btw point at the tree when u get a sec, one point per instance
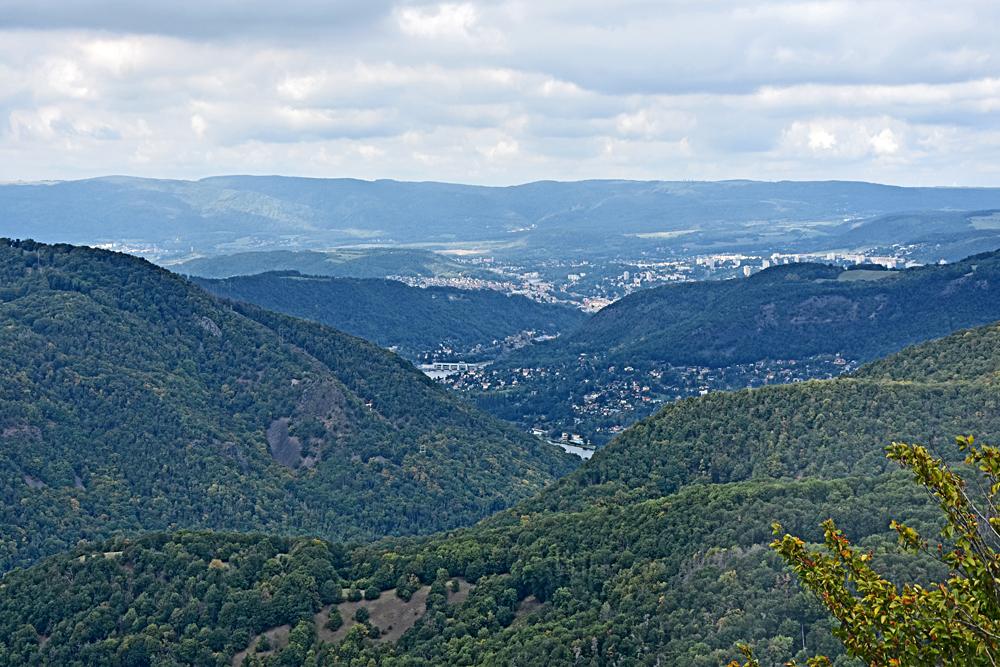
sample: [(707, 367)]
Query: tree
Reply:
[(956, 621), (335, 621)]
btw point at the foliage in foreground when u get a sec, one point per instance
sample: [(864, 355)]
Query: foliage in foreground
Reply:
[(956, 621)]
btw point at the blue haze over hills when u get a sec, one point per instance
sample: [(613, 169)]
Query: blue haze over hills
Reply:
[(170, 220)]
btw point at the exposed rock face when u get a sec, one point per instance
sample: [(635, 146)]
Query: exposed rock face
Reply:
[(286, 449), (323, 402), (209, 325)]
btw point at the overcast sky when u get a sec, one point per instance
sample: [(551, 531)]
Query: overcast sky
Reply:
[(502, 91)]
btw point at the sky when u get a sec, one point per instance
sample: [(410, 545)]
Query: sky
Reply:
[(502, 91)]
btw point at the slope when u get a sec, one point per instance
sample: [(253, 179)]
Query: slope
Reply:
[(343, 263), (651, 553), (928, 236), (415, 322), (133, 400)]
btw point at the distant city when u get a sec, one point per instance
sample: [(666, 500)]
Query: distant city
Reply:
[(592, 285)]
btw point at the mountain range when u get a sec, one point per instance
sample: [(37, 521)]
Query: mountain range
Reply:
[(171, 220)]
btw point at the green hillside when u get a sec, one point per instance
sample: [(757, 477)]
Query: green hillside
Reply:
[(414, 321), (822, 429), (132, 400), (343, 263), (651, 553), (788, 312)]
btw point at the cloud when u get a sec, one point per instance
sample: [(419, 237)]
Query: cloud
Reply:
[(820, 139), (198, 125), (884, 143), (445, 21), (503, 149), (289, 19), (502, 91), (849, 139)]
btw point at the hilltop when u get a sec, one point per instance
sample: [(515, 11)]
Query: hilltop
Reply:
[(789, 311), (415, 322), (342, 263), (133, 400)]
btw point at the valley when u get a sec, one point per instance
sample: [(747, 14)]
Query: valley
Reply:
[(785, 324), (492, 333), (250, 470), (134, 400), (678, 572), (423, 325)]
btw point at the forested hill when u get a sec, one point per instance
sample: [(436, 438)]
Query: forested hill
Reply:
[(414, 321), (342, 263), (653, 552), (792, 311), (132, 400)]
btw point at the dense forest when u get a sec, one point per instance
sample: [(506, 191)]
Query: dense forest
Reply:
[(342, 263), (654, 552), (133, 400), (414, 322)]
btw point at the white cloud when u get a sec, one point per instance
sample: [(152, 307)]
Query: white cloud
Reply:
[(502, 150), (34, 124), (820, 139), (503, 91), (370, 152), (199, 125), (299, 87), (118, 56), (650, 123), (446, 20), (849, 139), (65, 78), (885, 143)]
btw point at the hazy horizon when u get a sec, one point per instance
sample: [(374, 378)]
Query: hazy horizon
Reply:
[(515, 184)]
